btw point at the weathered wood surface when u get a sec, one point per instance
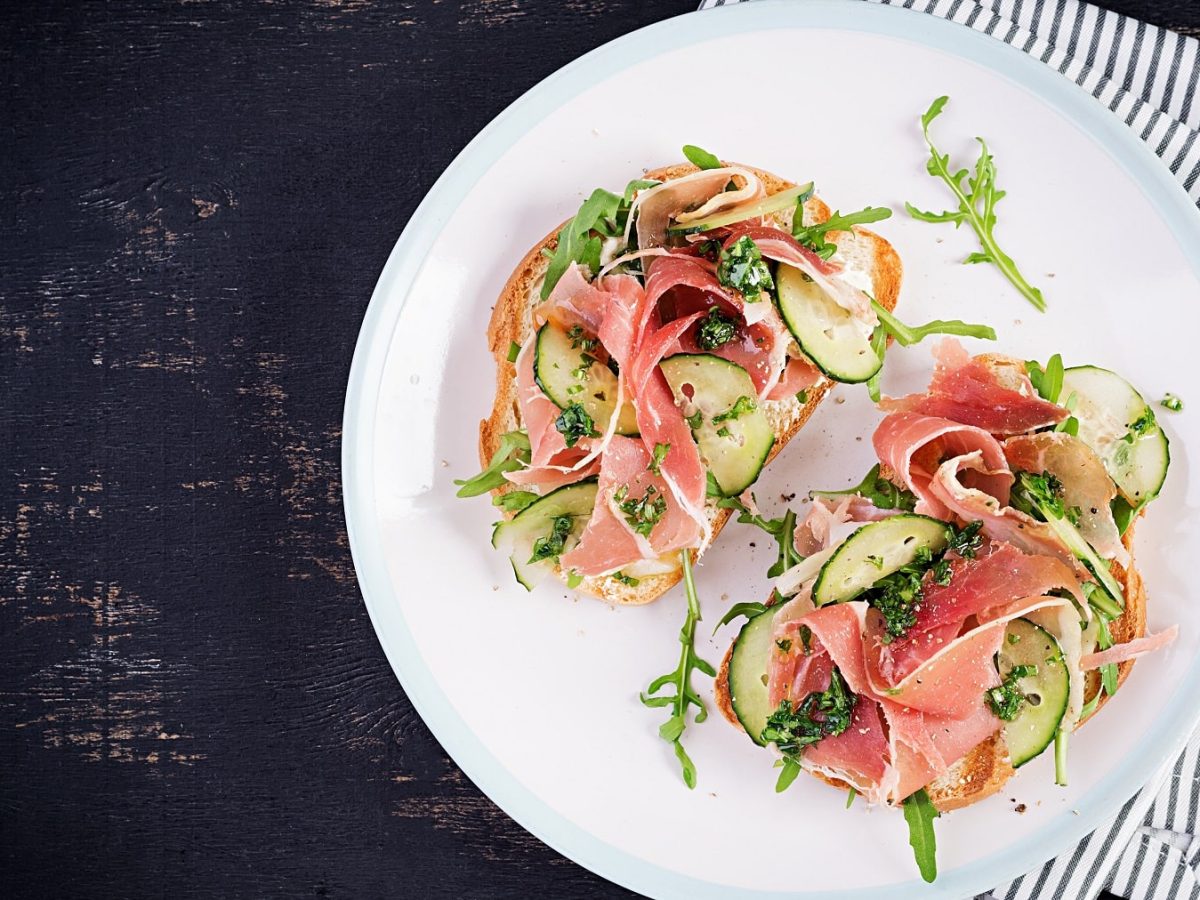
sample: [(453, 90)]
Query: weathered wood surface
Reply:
[(195, 201)]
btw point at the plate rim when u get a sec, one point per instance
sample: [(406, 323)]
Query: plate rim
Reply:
[(1158, 746)]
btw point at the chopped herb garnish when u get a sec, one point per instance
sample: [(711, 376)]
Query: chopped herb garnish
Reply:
[(881, 493), (850, 798), (628, 580), (700, 157), (681, 679), (794, 726), (1143, 424), (897, 597), (802, 396), (514, 501), (784, 644), (550, 546), (1014, 638), (942, 573), (1005, 699), (1171, 402), (741, 406), (660, 454), (514, 350), (642, 513), (977, 201), (876, 561), (919, 813), (715, 331), (743, 268), (580, 341), (967, 540), (575, 423), (806, 639), (723, 431), (511, 453), (813, 236), (574, 579)]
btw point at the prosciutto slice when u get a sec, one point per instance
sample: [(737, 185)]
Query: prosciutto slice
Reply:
[(914, 447), (1131, 649), (991, 393), (609, 541), (1087, 486), (689, 199)]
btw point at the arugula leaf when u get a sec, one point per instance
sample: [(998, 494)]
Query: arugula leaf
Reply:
[(907, 335), (749, 610), (782, 529), (878, 491), (879, 345), (977, 201), (1060, 757), (681, 679), (514, 501), (850, 797), (700, 157), (919, 813), (1047, 380), (791, 769), (575, 241), (813, 236), (511, 454)]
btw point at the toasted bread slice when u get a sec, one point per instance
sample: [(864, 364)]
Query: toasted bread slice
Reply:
[(512, 322), (986, 768)]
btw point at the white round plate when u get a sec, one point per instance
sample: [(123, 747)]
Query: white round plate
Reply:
[(535, 695)]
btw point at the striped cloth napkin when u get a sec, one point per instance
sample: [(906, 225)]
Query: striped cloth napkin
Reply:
[(1147, 76)]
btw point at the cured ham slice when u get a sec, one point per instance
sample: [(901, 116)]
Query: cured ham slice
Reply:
[(1087, 487), (914, 447), (798, 374), (609, 541), (1131, 649), (700, 194), (991, 393)]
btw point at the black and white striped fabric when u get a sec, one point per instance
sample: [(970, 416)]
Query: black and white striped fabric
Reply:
[(1148, 76)]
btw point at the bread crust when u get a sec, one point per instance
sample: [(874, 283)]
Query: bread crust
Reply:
[(512, 322), (986, 768)]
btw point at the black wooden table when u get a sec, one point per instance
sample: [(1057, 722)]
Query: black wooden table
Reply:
[(195, 201)]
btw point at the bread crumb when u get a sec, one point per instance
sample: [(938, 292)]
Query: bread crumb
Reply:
[(1020, 808), (839, 399), (445, 464), (495, 587)]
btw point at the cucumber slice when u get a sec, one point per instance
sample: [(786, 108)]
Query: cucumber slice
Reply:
[(519, 533), (874, 551), (709, 388), (1116, 422), (838, 343), (565, 374), (748, 672), (772, 204), (1033, 730)]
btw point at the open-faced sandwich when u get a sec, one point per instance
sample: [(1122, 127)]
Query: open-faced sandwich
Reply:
[(971, 602), (655, 352)]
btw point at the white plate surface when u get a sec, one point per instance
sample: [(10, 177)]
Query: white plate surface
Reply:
[(536, 695)]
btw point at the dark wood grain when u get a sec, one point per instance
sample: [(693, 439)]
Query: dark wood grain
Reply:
[(195, 201)]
